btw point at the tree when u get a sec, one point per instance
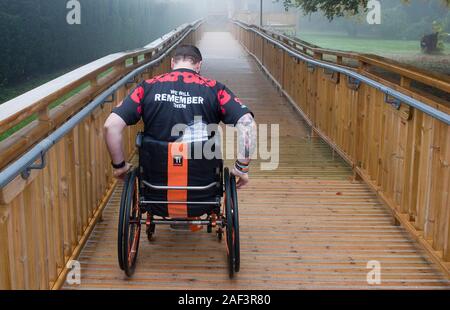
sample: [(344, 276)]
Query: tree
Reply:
[(335, 8), (435, 42), (37, 40)]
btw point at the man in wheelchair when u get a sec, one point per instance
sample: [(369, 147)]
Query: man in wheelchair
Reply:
[(174, 182)]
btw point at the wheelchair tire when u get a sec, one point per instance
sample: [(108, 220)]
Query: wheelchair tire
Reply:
[(229, 227), (235, 211), (131, 225), (120, 254)]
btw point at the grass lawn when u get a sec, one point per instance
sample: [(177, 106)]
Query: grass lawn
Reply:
[(365, 45), (403, 51)]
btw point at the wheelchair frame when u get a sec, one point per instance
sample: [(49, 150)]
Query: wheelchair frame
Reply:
[(133, 206)]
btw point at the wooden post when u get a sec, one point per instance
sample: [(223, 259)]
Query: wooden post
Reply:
[(5, 273), (318, 56)]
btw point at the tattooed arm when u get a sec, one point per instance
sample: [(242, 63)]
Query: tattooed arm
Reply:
[(247, 133)]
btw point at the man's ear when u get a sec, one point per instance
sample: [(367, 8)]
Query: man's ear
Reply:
[(198, 67)]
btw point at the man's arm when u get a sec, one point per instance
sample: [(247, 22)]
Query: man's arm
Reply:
[(113, 132), (247, 135), (127, 113)]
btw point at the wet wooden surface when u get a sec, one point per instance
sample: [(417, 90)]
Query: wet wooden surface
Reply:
[(305, 225)]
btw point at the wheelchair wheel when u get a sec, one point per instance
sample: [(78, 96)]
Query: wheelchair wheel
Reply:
[(235, 211), (120, 254), (129, 225), (229, 227)]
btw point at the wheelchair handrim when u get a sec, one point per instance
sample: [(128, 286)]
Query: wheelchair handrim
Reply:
[(135, 232), (229, 223), (236, 240), (132, 226)]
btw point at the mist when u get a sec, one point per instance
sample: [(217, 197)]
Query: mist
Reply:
[(38, 43), (398, 35), (43, 39)]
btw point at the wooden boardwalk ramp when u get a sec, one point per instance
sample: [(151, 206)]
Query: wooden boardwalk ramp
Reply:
[(306, 225)]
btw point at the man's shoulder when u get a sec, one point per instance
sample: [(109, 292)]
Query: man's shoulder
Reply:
[(186, 77), (209, 82), (165, 77)]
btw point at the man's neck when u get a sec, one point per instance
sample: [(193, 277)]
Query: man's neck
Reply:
[(181, 68)]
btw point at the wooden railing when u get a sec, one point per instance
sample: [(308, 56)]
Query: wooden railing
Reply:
[(46, 217), (402, 152), (269, 19), (392, 72)]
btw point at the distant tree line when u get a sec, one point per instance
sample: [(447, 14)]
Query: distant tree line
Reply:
[(339, 8), (35, 37), (401, 20)]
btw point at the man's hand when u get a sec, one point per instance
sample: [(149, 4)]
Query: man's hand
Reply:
[(122, 172), (243, 178)]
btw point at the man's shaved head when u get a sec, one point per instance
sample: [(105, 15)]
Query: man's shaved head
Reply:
[(187, 52)]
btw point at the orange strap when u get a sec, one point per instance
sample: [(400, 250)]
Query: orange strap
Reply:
[(177, 176)]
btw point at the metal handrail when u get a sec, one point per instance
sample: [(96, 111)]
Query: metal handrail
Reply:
[(442, 116), (24, 162)]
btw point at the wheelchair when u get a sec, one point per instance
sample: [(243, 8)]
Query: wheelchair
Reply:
[(171, 189)]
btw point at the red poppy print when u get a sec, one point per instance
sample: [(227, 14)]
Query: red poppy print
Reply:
[(190, 78), (168, 77), (211, 83), (138, 94), (223, 96)]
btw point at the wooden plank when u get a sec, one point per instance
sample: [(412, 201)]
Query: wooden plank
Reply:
[(16, 187), (5, 274), (71, 193), (17, 246), (55, 202), (39, 232), (442, 200), (65, 219), (424, 180)]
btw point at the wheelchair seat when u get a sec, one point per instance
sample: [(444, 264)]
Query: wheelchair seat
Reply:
[(176, 179)]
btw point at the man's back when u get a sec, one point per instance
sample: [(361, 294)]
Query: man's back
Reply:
[(177, 107), (179, 97)]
